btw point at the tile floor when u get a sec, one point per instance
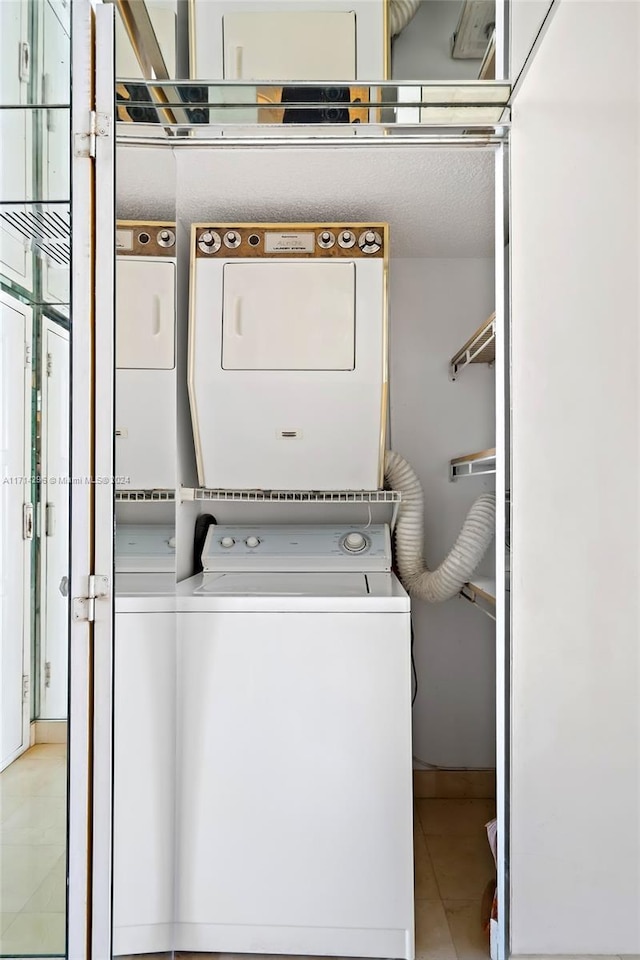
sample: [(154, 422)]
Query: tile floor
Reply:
[(452, 864), (32, 852)]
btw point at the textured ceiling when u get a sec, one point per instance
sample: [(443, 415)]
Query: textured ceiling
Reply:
[(438, 201)]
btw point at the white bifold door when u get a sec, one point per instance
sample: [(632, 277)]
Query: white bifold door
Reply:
[(54, 507), (16, 526)]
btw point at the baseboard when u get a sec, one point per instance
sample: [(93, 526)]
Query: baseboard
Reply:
[(48, 731), (454, 784)]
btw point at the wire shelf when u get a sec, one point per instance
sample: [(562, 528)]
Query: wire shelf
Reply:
[(473, 464), (480, 348), (293, 496), (145, 496)]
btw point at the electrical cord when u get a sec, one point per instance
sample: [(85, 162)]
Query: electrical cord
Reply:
[(414, 672)]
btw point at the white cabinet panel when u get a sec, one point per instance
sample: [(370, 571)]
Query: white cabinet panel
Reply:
[(276, 45), (575, 769), (145, 314), (15, 426), (288, 316)]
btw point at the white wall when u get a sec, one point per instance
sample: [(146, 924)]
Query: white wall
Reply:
[(575, 803), (423, 50), (435, 306)]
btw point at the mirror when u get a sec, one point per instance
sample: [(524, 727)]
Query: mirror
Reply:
[(34, 516), (312, 48)]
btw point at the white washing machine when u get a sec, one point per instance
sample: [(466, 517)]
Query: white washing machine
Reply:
[(146, 355), (288, 355), (144, 739), (294, 807)]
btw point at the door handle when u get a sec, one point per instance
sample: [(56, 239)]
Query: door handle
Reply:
[(237, 316), (155, 325), (64, 587), (50, 520), (238, 51)]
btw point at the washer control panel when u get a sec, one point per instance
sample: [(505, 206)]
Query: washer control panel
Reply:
[(268, 240), (137, 239), (289, 547)]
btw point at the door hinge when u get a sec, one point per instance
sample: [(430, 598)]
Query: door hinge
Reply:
[(27, 354), (25, 687), (47, 673), (84, 608), (85, 143), (50, 520), (49, 364), (27, 521)]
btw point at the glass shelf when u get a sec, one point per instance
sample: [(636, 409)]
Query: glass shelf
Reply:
[(473, 464), (188, 109)]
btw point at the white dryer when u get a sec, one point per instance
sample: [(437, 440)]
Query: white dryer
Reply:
[(280, 40), (294, 746), (288, 355), (144, 739), (145, 355)]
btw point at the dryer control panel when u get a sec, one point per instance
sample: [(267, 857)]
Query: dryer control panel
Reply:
[(266, 240), (307, 549)]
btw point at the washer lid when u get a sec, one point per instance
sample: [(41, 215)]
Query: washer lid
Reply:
[(283, 585)]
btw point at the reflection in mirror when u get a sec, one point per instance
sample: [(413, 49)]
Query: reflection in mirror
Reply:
[(34, 524), (339, 44), (145, 580)]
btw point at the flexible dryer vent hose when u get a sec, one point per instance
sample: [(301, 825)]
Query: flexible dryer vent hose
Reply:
[(400, 13), (469, 549)]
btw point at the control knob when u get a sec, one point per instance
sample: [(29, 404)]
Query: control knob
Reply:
[(166, 238), (370, 241), (232, 239), (227, 542), (209, 242), (326, 239), (252, 541), (355, 542), (346, 238)]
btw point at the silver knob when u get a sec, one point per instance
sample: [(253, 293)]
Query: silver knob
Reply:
[(209, 242), (326, 239), (166, 238), (232, 239), (347, 238), (370, 241)]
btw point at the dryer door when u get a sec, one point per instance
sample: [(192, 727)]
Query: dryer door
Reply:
[(289, 46), (145, 314), (288, 316)]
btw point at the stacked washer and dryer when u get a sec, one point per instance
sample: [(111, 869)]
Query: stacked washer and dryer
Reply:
[(270, 809)]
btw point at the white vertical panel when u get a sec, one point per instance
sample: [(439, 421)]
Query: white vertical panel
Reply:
[(101, 932), (81, 493), (15, 490), (575, 836)]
